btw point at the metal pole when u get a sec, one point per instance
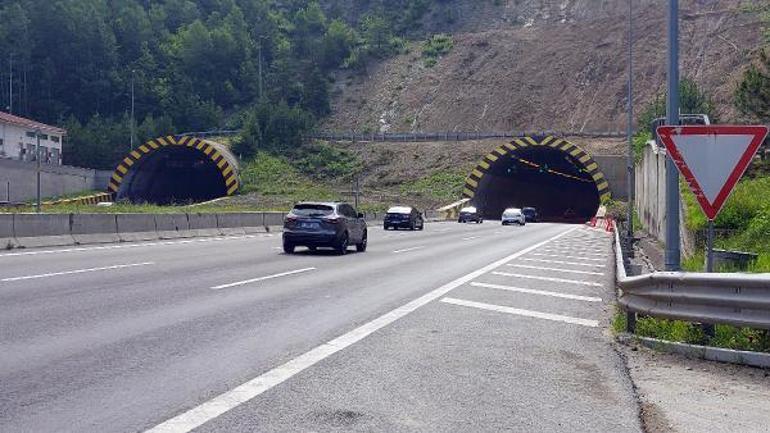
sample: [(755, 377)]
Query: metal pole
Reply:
[(37, 153), (673, 258), (132, 108), (630, 131), (358, 191), (10, 83), (710, 248)]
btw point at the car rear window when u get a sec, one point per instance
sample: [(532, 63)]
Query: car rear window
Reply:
[(400, 210), (468, 210), (312, 210)]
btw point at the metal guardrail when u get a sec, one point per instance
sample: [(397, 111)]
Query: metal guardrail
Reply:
[(405, 137), (728, 298)]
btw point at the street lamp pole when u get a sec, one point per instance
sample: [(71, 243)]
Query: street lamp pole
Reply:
[(673, 255), (37, 157), (133, 72), (630, 131)]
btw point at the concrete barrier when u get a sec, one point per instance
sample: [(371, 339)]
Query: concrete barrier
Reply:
[(94, 228), (230, 224), (42, 230), (6, 232), (253, 222), (136, 227), (274, 219), (172, 226), (202, 224)]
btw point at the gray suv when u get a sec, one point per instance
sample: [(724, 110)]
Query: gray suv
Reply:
[(324, 225)]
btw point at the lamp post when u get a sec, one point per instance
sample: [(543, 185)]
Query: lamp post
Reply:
[(37, 158), (133, 73), (672, 257), (630, 132)]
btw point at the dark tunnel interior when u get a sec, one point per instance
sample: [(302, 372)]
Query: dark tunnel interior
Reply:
[(173, 175), (545, 178)]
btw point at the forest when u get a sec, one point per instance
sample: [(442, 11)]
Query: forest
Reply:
[(265, 65)]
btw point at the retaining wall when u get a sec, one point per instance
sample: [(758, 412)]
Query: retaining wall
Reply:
[(18, 180)]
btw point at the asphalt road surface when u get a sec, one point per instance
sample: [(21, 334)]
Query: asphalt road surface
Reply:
[(463, 328)]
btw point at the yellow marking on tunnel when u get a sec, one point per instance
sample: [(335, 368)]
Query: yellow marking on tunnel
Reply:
[(184, 140), (602, 186), (122, 169), (118, 178), (520, 142), (232, 190), (128, 162), (200, 145), (171, 139), (153, 144), (469, 192), (221, 163), (510, 146), (477, 173), (135, 154), (531, 141), (144, 148), (598, 176), (492, 157), (112, 186), (161, 141), (585, 158), (216, 155), (208, 149), (484, 165), (227, 170), (546, 140), (230, 180), (556, 143), (575, 152), (592, 166), (471, 182), (501, 151)]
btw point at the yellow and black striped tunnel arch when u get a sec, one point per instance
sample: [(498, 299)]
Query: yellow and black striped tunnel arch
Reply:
[(217, 153), (580, 156)]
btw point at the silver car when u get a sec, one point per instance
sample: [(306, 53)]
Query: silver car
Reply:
[(513, 215)]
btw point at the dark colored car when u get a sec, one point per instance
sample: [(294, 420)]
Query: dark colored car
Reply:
[(403, 217), (324, 225), (530, 214), (470, 214)]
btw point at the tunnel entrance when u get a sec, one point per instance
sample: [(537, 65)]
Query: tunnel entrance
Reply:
[(557, 178), (170, 171)]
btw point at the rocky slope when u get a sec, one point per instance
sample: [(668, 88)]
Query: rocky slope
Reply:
[(545, 64)]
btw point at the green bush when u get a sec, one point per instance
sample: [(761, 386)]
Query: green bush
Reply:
[(442, 185), (324, 161), (436, 47)]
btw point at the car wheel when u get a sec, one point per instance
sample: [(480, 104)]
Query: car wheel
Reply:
[(422, 225), (362, 246), (411, 226), (288, 248), (342, 247)]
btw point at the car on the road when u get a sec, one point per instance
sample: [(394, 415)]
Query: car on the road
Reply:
[(324, 225), (530, 214), (470, 214), (513, 215), (403, 217)]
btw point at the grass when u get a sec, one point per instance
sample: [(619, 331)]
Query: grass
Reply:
[(436, 47), (443, 186)]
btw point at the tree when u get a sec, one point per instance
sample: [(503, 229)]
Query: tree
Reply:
[(752, 96), (691, 101)]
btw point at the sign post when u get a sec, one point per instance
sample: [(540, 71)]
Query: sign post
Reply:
[(712, 159)]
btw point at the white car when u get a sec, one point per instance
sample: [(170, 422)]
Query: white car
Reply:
[(514, 215)]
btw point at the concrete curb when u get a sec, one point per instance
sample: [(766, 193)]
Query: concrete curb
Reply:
[(44, 230), (7, 240), (137, 227), (94, 228), (741, 357)]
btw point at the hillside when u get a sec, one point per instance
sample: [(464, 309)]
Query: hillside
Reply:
[(545, 64)]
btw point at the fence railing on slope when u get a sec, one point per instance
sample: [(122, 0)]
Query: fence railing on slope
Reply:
[(407, 137)]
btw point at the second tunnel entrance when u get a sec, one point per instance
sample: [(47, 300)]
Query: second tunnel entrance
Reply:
[(557, 178)]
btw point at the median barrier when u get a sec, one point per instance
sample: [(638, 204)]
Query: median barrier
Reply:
[(230, 224), (203, 224), (6, 232), (253, 222), (94, 228), (42, 230), (274, 219), (136, 227), (172, 226)]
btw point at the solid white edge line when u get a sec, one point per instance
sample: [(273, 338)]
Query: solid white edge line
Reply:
[(406, 250), (555, 280), (266, 277), (470, 238), (76, 271), (211, 409), (134, 245), (538, 292), (520, 312), (543, 268)]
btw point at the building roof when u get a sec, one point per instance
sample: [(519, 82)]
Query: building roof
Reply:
[(30, 124)]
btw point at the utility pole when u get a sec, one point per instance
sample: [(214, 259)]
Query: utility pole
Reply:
[(133, 73), (630, 155), (673, 257), (10, 83), (37, 157), (260, 70)]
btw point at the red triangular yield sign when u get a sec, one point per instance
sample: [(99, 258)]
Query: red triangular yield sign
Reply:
[(712, 158)]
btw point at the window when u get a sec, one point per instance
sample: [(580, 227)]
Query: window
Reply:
[(44, 136), (55, 138), (347, 210), (30, 134)]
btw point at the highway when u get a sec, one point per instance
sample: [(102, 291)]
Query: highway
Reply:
[(455, 328)]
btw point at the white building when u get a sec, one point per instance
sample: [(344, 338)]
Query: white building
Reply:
[(18, 141)]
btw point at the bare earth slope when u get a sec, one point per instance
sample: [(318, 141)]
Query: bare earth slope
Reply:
[(549, 64)]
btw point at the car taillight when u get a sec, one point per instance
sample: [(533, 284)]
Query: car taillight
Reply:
[(332, 220), (290, 219)]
